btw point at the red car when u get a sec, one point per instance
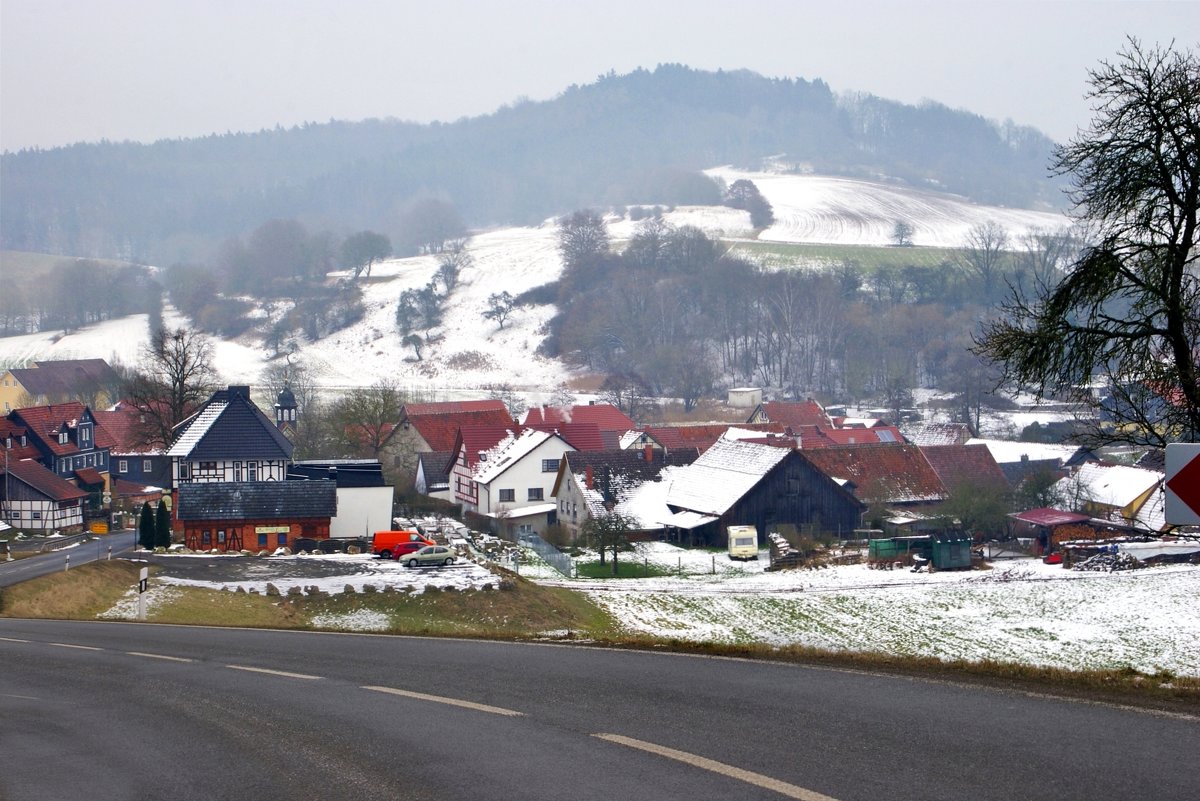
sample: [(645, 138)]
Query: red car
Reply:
[(402, 549)]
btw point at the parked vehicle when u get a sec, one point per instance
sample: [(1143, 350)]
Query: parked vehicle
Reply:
[(383, 544), (403, 549), (430, 555), (743, 542)]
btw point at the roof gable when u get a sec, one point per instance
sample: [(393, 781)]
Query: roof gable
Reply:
[(34, 475), (231, 428), (722, 475), (439, 429), (510, 450), (965, 466), (45, 423), (794, 413)]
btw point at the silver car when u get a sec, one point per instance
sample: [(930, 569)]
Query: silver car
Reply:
[(430, 555)]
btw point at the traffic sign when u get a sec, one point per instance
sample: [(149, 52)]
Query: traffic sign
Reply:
[(1183, 484)]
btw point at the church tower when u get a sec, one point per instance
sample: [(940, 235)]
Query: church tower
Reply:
[(285, 412)]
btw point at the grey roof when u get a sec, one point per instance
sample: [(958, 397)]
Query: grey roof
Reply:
[(346, 472), (230, 426), (257, 500)]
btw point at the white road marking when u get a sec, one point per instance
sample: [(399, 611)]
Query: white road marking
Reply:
[(159, 656), (80, 647), (283, 673), (439, 699), (22, 697), (12, 639), (750, 777)]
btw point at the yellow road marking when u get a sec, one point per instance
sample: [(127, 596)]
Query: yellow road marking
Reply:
[(750, 777), (439, 699), (159, 656), (283, 673)]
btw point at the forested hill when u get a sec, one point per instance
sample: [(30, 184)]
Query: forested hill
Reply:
[(635, 138)]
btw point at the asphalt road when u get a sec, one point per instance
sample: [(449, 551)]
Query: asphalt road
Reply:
[(127, 711), (31, 567)]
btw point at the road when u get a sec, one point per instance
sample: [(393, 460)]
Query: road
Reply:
[(127, 711), (31, 567)]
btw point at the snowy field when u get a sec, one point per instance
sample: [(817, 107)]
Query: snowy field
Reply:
[(468, 352), (1019, 611)]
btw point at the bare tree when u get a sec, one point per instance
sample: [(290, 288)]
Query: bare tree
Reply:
[(582, 238), (609, 533), (452, 261), (365, 418), (982, 253), (175, 376), (500, 306), (1127, 312), (902, 234)]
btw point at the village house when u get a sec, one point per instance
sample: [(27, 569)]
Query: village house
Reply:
[(791, 414), (137, 472), (261, 515), (90, 381), (229, 439), (364, 498), (508, 475), (431, 428), (34, 499), (593, 482), (769, 487), (66, 440)]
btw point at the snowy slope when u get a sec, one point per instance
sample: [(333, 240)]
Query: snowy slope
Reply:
[(469, 352)]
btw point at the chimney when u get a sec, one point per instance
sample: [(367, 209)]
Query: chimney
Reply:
[(648, 453), (587, 477), (332, 473)]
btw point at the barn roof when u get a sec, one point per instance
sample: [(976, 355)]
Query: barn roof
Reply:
[(961, 466), (722, 475), (604, 416), (35, 475), (882, 473), (439, 427)]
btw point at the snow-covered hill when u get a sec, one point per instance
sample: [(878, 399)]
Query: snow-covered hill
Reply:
[(469, 352)]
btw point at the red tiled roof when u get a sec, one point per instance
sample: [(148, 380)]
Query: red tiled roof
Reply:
[(965, 466), (44, 422), (477, 439), (34, 475), (580, 436), (89, 476), (1048, 517), (604, 416), (11, 429), (124, 488), (796, 413), (122, 423), (440, 429), (702, 436), (882, 473), (453, 407)]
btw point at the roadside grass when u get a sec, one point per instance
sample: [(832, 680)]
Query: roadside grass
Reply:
[(524, 610), (630, 567), (77, 594), (869, 257)]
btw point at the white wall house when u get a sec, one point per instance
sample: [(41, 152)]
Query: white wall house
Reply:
[(229, 440), (518, 473), (361, 511)]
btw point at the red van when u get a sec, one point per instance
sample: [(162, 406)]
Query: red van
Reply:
[(384, 543)]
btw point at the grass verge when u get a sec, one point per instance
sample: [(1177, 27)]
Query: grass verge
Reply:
[(626, 568), (525, 610)]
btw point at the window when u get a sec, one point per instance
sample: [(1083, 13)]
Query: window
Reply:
[(89, 462), (14, 515), (85, 436), (208, 467), (220, 535), (183, 470), (282, 539), (262, 540), (549, 465), (237, 471), (525, 528), (205, 537), (8, 442), (252, 471), (507, 496), (122, 466), (535, 494), (37, 515), (62, 437), (147, 466)]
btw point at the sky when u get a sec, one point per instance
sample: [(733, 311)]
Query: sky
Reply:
[(85, 70)]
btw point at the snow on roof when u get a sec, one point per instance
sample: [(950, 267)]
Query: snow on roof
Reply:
[(507, 452), (1048, 517), (1110, 484), (523, 511), (1004, 451), (688, 520), (722, 475), (734, 434), (197, 429)]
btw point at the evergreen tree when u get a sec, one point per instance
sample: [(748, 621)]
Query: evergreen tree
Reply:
[(162, 526), (146, 527)]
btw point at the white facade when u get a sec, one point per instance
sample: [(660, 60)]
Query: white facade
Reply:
[(517, 473), (361, 511), (42, 514), (184, 470)]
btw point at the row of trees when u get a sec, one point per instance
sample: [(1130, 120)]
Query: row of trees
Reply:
[(673, 311)]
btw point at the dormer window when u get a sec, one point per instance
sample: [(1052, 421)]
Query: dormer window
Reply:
[(8, 442), (85, 436), (62, 437)]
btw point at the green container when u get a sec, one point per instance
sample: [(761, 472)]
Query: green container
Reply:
[(948, 554)]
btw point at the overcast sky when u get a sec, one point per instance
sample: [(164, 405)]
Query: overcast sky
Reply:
[(83, 70)]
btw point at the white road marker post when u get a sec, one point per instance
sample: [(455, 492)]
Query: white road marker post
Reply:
[(143, 580), (68, 563)]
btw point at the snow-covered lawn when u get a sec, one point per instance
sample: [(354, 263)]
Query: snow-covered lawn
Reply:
[(1019, 611)]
